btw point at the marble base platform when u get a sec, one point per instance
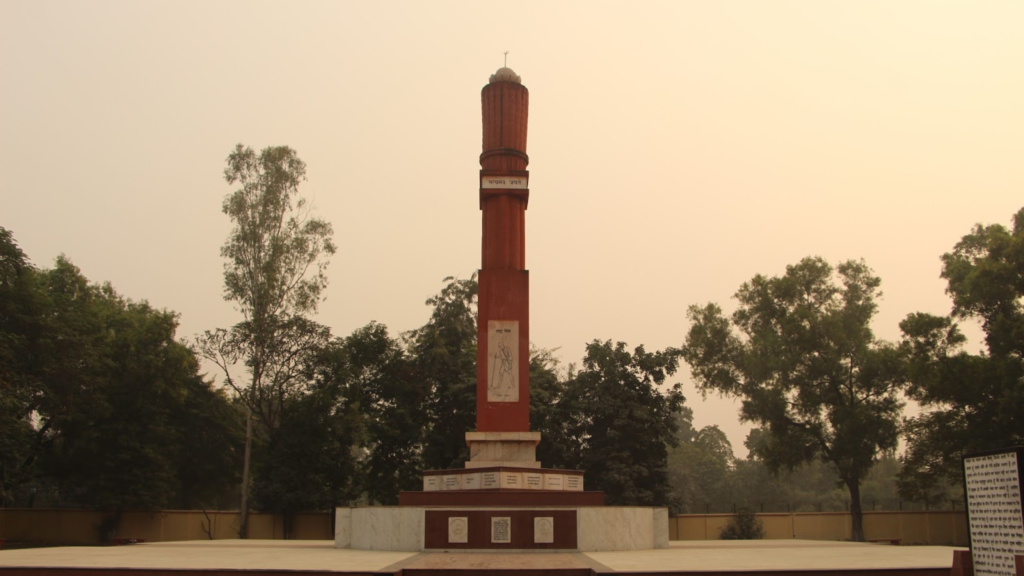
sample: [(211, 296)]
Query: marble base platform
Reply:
[(580, 529), (488, 449), (503, 478)]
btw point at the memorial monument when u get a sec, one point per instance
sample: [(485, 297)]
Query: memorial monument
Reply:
[(503, 498)]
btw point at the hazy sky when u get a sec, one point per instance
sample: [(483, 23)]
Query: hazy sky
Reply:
[(677, 148)]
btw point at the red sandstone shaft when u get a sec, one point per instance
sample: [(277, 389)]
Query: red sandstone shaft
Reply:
[(503, 339)]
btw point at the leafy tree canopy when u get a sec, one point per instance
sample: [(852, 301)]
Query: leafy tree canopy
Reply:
[(974, 401), (807, 368), (620, 414)]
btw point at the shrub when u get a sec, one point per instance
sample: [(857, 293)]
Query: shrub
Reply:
[(743, 526)]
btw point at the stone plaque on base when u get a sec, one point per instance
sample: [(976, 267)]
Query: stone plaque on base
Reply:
[(533, 480), (489, 480), (512, 480), (458, 530), (431, 483), (554, 482), (543, 530), (471, 481), (501, 530), (574, 483)]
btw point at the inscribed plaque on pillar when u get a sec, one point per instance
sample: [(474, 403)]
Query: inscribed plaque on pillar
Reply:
[(502, 360)]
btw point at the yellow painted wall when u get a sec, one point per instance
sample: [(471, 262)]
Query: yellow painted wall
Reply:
[(80, 526), (944, 527)]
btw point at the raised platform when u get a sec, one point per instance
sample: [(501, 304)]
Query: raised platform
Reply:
[(280, 558), (504, 477), (513, 528), (500, 498)]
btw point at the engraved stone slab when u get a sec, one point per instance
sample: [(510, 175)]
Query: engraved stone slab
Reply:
[(502, 360), (451, 482), (489, 480), (533, 480), (501, 530), (458, 530), (574, 483), (993, 483), (544, 530), (554, 482), (512, 480), (471, 481), (431, 483)]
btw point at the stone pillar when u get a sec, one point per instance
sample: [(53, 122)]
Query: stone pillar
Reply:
[(502, 436)]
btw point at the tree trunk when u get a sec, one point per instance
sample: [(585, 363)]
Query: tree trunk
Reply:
[(856, 514), (289, 524), (243, 529)]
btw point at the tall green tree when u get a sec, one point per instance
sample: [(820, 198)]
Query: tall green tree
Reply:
[(701, 467), (384, 393), (623, 422), (20, 387), (973, 402), (807, 368), (275, 272), (444, 355)]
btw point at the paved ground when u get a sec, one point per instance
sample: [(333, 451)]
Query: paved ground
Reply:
[(300, 555)]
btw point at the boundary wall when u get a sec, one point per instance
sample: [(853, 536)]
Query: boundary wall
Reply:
[(63, 526), (930, 527)]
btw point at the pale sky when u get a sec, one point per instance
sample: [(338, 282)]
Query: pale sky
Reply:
[(677, 148)]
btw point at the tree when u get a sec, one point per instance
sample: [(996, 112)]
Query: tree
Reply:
[(309, 464), (974, 401), (383, 393), (701, 467), (622, 422), (275, 273), (444, 356), (807, 368), (20, 331)]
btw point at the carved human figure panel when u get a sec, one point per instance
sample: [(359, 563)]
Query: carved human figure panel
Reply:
[(502, 360)]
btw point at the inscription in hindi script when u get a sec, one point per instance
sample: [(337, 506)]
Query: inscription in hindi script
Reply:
[(501, 530), (994, 512)]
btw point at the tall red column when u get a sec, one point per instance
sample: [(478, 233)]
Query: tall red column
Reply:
[(503, 330)]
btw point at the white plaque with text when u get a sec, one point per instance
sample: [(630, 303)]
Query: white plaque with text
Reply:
[(994, 516), (501, 530), (431, 483), (504, 182)]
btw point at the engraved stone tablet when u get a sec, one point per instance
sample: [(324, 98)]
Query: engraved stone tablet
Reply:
[(451, 482), (554, 482), (458, 530), (501, 530), (431, 483), (574, 483), (502, 360), (471, 481), (489, 480), (544, 530), (512, 480), (993, 484), (533, 480)]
